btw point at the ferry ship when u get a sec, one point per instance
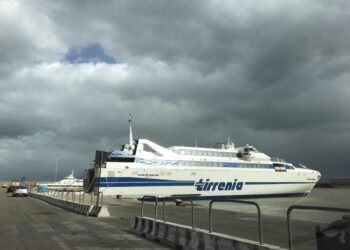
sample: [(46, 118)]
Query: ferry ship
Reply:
[(67, 183), (143, 167)]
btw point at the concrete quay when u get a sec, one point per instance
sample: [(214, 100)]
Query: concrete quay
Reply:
[(237, 225)]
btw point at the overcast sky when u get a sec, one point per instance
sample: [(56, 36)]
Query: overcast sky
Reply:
[(273, 74)]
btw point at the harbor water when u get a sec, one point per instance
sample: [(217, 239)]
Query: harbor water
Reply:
[(325, 197)]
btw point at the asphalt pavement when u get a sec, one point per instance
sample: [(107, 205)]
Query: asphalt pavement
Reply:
[(28, 223)]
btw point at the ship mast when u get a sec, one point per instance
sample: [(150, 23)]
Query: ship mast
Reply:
[(130, 130)]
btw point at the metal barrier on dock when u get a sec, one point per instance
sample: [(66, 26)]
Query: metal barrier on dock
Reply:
[(190, 235), (295, 207), (173, 198), (242, 202), (156, 199), (76, 198)]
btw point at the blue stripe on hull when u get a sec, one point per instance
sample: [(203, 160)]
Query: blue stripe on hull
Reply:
[(140, 182), (145, 184), (133, 179), (272, 183), (232, 197)]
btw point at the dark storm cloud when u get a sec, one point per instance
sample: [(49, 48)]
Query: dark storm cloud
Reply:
[(269, 73)]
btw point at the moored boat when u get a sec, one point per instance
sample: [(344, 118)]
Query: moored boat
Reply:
[(67, 183)]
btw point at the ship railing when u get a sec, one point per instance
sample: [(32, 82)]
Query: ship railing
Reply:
[(295, 207), (242, 202)]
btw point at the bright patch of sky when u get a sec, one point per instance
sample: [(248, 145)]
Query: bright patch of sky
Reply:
[(92, 53)]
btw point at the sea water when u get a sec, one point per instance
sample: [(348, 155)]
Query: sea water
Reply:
[(325, 197)]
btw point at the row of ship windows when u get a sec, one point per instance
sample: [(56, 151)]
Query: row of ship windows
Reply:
[(204, 153), (223, 164)]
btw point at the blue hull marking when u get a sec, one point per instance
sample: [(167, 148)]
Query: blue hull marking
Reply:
[(233, 197), (273, 183), (140, 182), (200, 186)]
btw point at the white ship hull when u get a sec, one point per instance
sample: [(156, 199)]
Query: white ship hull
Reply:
[(134, 180)]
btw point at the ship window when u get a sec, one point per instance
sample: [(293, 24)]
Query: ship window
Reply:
[(110, 173), (210, 153)]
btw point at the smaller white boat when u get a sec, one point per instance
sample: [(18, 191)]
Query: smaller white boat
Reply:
[(68, 183)]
